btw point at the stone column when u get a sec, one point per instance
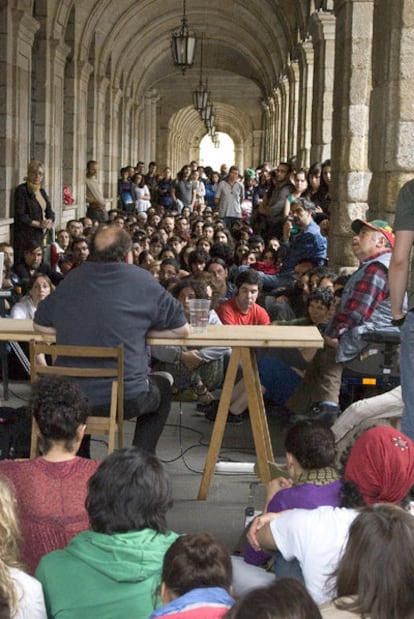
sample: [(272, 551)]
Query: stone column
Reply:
[(305, 56), (101, 148), (284, 119), (17, 32), (292, 130), (257, 140), (392, 110), (266, 130), (54, 119), (352, 90), (150, 127), (272, 129), (84, 71), (277, 97), (322, 30), (116, 152)]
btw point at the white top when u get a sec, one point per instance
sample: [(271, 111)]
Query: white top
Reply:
[(31, 603), (139, 193), (230, 198), (23, 309), (317, 538)]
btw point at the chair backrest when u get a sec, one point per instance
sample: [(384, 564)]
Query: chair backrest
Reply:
[(96, 424)]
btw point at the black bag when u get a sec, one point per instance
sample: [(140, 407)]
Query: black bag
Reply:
[(15, 432)]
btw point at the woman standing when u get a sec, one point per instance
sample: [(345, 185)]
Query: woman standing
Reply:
[(141, 194), (33, 214)]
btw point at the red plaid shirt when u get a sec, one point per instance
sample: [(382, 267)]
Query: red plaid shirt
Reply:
[(367, 295)]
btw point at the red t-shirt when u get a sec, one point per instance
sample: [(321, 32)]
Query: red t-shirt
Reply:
[(230, 314)]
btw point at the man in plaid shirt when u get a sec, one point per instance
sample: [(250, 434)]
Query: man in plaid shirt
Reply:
[(364, 306)]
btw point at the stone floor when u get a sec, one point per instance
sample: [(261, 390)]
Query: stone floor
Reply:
[(182, 448)]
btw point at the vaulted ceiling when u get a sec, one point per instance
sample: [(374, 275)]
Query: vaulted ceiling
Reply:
[(247, 44)]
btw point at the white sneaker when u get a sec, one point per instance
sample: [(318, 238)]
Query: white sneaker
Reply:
[(165, 375)]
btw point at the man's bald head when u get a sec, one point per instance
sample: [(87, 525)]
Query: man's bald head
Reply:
[(110, 244)]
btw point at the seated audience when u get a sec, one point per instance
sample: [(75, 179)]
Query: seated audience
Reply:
[(112, 569), (364, 307), (311, 481), (374, 577), (380, 469), (306, 242), (284, 599), (242, 308), (21, 595), (196, 579), (32, 264), (37, 289), (51, 489), (198, 369)]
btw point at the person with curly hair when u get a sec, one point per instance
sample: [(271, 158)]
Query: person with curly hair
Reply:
[(21, 595), (310, 480), (51, 489)]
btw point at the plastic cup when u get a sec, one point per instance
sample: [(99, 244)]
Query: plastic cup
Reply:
[(199, 309)]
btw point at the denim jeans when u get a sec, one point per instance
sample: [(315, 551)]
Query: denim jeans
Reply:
[(407, 374)]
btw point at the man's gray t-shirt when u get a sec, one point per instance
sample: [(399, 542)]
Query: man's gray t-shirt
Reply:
[(404, 220)]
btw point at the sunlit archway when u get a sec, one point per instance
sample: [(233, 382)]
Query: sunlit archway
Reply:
[(214, 157)]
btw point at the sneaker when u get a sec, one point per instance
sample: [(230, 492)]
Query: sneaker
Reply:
[(165, 375), (321, 412), (211, 414)]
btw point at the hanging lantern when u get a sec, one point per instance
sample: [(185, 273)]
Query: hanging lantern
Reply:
[(183, 45)]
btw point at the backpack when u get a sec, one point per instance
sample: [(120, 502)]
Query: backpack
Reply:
[(15, 432)]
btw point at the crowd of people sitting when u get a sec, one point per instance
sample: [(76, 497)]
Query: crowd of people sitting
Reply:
[(83, 539), (94, 536), (256, 243), (209, 227)]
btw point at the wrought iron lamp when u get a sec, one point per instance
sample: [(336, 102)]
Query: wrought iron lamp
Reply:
[(201, 94), (207, 111), (183, 45)]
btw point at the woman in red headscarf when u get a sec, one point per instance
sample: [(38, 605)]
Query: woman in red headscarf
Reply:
[(380, 469)]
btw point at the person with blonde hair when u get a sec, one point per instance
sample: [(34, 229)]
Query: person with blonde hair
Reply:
[(21, 595), (33, 214)]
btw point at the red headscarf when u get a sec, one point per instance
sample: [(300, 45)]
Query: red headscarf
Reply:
[(381, 464)]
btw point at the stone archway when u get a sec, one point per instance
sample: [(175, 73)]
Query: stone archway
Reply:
[(214, 157)]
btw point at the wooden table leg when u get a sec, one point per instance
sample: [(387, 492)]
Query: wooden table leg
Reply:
[(219, 424), (257, 413)]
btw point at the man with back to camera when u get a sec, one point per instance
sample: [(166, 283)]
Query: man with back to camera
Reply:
[(107, 302)]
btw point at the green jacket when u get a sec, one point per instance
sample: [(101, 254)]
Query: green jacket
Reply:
[(99, 576)]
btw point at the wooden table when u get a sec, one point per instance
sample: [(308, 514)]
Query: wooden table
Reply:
[(243, 341), (21, 330)]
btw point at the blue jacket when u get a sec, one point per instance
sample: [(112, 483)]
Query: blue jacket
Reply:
[(206, 602), (306, 244)]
